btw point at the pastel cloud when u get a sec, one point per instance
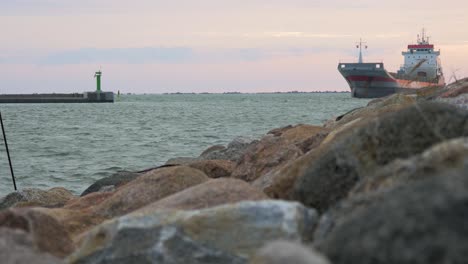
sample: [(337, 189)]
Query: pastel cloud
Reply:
[(158, 55), (120, 55), (306, 35)]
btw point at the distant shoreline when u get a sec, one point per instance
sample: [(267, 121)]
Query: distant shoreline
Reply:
[(177, 93), (233, 93)]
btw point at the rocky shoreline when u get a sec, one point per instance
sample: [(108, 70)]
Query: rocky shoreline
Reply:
[(386, 183)]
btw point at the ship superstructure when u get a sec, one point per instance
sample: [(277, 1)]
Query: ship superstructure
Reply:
[(422, 62), (421, 68)]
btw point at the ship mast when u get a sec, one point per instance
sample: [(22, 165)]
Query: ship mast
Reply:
[(423, 39), (359, 46)]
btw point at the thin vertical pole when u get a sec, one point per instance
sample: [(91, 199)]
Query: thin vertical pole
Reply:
[(8, 152), (360, 50)]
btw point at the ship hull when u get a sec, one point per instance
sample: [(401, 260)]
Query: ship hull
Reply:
[(371, 80)]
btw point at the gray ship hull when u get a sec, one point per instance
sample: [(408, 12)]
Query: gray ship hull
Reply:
[(368, 80)]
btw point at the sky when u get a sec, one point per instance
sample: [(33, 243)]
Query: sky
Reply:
[(155, 46)]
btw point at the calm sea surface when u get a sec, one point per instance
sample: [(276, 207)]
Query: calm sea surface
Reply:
[(73, 145)]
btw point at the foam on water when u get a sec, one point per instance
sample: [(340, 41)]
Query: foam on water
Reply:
[(73, 145)]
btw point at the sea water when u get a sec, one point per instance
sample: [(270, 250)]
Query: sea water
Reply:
[(73, 145)]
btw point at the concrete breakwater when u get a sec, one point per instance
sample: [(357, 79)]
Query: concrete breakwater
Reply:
[(87, 97), (386, 183)]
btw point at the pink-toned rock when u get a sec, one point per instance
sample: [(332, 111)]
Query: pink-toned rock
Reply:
[(75, 222), (47, 234), (212, 149), (211, 193), (277, 132), (399, 135), (374, 109), (87, 201), (456, 88), (55, 197), (313, 141), (234, 150), (214, 168), (456, 94), (297, 133), (148, 188), (278, 183), (274, 150)]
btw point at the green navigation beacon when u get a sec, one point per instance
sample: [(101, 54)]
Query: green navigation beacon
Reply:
[(97, 75)]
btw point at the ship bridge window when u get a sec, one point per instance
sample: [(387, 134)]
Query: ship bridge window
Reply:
[(422, 74)]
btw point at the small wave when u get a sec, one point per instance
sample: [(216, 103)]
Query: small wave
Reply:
[(211, 136), (114, 168), (101, 174)]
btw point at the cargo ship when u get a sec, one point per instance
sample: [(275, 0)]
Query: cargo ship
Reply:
[(97, 96), (421, 68)]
